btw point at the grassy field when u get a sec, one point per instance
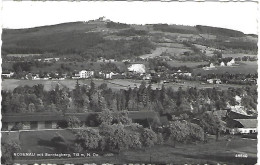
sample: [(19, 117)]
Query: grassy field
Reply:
[(238, 55), (242, 68), (159, 50), (211, 153), (174, 63), (116, 84), (23, 55), (10, 84)]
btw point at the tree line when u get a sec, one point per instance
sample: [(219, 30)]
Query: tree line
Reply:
[(92, 98)]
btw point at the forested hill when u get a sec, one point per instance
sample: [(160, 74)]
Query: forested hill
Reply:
[(102, 38)]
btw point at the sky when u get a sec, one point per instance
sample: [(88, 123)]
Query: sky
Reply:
[(240, 16)]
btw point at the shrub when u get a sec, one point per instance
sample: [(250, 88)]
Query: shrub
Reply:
[(88, 139), (149, 137)]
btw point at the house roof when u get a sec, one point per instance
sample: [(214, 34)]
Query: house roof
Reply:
[(6, 72), (247, 123), (27, 117), (32, 117)]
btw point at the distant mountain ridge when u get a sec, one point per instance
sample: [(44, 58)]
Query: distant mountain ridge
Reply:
[(97, 38)]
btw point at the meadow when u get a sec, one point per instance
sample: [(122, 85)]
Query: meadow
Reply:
[(243, 68), (190, 64), (212, 152)]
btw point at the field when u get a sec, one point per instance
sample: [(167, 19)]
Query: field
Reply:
[(243, 68), (211, 153), (22, 55), (116, 84), (238, 55), (174, 63), (209, 51), (159, 50)]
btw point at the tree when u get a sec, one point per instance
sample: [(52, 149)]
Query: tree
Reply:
[(212, 123), (31, 107), (115, 136), (73, 122), (88, 138), (159, 138), (135, 140), (119, 138), (122, 117), (183, 131), (8, 149), (105, 117), (149, 137), (18, 126)]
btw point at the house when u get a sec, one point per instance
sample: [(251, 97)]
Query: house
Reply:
[(107, 75), (137, 68), (86, 74), (214, 81), (7, 74), (242, 126), (101, 59), (147, 77), (31, 121), (40, 121), (186, 74), (222, 64), (210, 81), (238, 112), (48, 59), (31, 76), (210, 67), (230, 63)]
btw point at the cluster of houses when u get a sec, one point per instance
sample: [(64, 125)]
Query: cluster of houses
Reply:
[(222, 64), (48, 59)]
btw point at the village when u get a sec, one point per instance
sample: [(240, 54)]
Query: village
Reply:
[(140, 71), (152, 94)]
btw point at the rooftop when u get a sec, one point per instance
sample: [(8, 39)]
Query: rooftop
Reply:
[(247, 123)]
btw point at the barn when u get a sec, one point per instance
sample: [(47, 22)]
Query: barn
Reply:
[(243, 126)]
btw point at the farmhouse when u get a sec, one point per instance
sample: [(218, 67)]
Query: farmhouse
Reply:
[(7, 74), (230, 63), (85, 74), (210, 67), (39, 121), (222, 64), (243, 126), (31, 121), (214, 81), (107, 75)]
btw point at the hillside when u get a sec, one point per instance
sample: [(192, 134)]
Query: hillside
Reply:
[(102, 38)]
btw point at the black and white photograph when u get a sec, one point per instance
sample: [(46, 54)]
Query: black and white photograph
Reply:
[(133, 83)]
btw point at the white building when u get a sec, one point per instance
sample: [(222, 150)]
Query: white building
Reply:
[(230, 63), (214, 81), (86, 74), (222, 64), (245, 126), (137, 68), (7, 74), (210, 67)]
